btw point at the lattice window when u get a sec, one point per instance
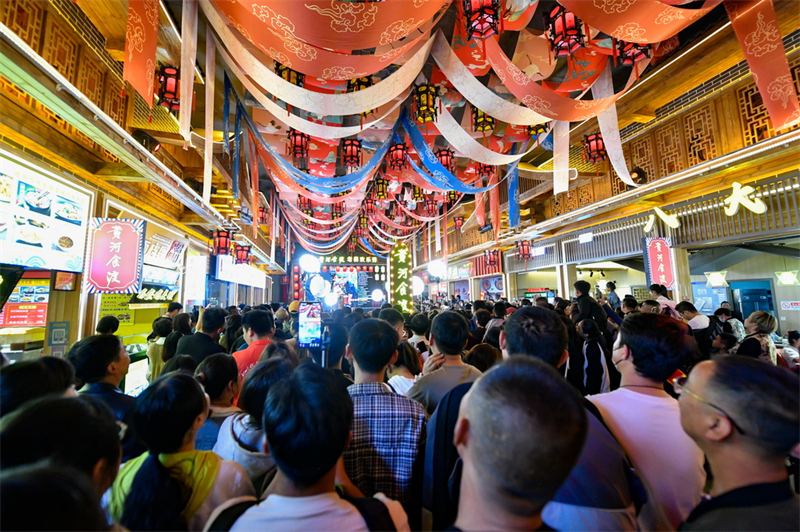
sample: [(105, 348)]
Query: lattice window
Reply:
[(15, 93), (701, 137), (641, 155), (585, 195), (63, 126), (25, 18), (91, 78), (556, 205), (61, 49), (670, 149), (617, 185), (114, 104), (756, 125)]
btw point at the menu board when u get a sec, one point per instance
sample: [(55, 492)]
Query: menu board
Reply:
[(27, 304), (117, 305), (42, 222)]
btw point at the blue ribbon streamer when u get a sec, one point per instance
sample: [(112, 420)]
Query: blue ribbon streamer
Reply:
[(370, 248), (513, 192), (237, 153)]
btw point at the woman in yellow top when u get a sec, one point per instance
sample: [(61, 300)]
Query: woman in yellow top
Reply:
[(155, 350), (173, 486)]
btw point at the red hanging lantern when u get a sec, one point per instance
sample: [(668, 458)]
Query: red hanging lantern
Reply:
[(381, 189), (524, 250), (241, 254), (222, 242), (447, 159), (417, 194), (430, 207), (425, 99), (452, 197), (536, 130), (298, 144), (484, 170), (169, 91), (397, 156), (369, 206), (595, 147), (630, 53), (304, 204), (458, 221), (481, 122), (563, 31), (284, 280), (491, 257), (351, 246), (482, 17), (351, 152), (262, 215), (292, 76), (337, 210)]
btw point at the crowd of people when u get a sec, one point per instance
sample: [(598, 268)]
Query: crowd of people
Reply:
[(573, 414)]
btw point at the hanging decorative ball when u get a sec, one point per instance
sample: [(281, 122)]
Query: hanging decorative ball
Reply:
[(292, 76), (425, 99), (458, 221), (169, 91), (222, 242), (397, 156), (630, 53), (482, 17), (481, 122), (595, 147), (447, 158), (351, 152), (563, 31), (241, 254), (524, 250)]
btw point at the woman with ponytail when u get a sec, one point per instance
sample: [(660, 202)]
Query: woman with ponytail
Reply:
[(659, 292), (173, 486)]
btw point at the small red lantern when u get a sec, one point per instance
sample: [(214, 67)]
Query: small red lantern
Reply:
[(351, 246), (298, 145), (447, 159), (222, 242), (484, 170), (417, 194), (241, 254), (351, 152), (337, 210), (482, 17), (536, 130), (458, 221), (381, 189), (397, 156), (369, 206), (296, 268), (630, 53), (284, 280), (425, 99), (430, 207), (296, 277), (481, 122), (292, 76), (169, 92), (452, 196), (595, 147), (524, 250), (262, 215), (297, 295), (491, 257), (304, 204), (371, 269), (563, 31)]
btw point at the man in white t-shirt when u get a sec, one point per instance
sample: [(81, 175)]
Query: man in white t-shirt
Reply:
[(646, 420), (689, 313), (307, 419)]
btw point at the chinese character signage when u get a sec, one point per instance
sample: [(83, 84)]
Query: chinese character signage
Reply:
[(347, 259), (659, 264), (400, 277), (155, 293), (115, 256), (27, 303)]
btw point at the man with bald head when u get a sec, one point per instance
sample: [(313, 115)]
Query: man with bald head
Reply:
[(745, 416), (525, 408)]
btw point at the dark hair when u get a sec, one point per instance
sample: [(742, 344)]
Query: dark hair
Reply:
[(232, 308), (528, 409), (728, 340), (630, 303), (483, 357), (583, 287), (611, 286), (307, 420), (589, 330), (233, 323), (483, 317), (215, 373), (373, 342), (91, 356), (525, 302), (659, 289), (408, 358), (72, 502), (385, 306), (722, 312), (280, 350), (793, 336), (174, 306), (257, 384), (478, 304), (69, 431), (30, 379), (391, 316), (659, 344), (763, 398), (420, 324), (260, 321), (213, 319), (161, 417), (337, 346), (450, 331), (537, 332), (685, 306), (107, 325), (492, 336), (652, 303), (499, 310), (162, 327), (181, 363)]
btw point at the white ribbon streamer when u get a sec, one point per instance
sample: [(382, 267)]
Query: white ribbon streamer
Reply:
[(438, 228), (316, 102), (188, 57), (560, 156), (609, 126)]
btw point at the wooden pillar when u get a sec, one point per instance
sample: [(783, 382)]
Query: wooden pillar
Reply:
[(566, 275), (683, 278)]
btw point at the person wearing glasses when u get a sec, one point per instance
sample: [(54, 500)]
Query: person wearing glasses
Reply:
[(646, 419), (745, 416)]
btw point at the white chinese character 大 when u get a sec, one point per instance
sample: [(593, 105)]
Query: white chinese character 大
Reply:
[(739, 196)]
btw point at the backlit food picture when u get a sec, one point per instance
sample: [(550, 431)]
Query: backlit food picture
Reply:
[(6, 188), (34, 199), (68, 211)]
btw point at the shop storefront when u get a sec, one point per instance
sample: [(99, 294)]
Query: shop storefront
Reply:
[(232, 284)]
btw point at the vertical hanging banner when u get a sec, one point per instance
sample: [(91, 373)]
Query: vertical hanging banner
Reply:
[(141, 40), (659, 265), (560, 156), (116, 255), (400, 277), (513, 197), (188, 58), (208, 146), (494, 204), (756, 26), (609, 127)]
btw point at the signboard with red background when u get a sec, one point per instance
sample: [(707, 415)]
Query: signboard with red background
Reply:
[(27, 303), (115, 256), (659, 264)]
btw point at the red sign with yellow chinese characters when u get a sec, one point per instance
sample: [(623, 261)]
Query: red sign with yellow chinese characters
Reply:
[(115, 256), (659, 263)]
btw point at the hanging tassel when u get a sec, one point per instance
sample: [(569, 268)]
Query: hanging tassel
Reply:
[(588, 34), (150, 118), (614, 51)]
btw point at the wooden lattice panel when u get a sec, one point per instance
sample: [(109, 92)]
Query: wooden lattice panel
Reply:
[(25, 18), (701, 136), (91, 77), (642, 156), (61, 49), (63, 126), (756, 125), (113, 102), (585, 195), (557, 205), (669, 142), (15, 93)]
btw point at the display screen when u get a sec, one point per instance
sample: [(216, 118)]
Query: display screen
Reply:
[(136, 379), (42, 222), (64, 282), (27, 303), (310, 327)]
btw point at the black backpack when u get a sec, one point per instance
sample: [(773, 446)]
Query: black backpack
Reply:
[(374, 512), (705, 337)]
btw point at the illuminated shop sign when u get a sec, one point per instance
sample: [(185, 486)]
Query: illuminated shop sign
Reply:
[(659, 264), (400, 277), (347, 259), (115, 256), (155, 293)]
